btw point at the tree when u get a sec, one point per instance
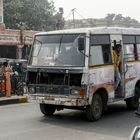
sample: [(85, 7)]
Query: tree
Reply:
[(110, 17), (59, 21), (118, 19), (34, 14)]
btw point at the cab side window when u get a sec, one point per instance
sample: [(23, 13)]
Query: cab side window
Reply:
[(129, 54), (138, 51), (130, 48), (138, 46), (100, 50)]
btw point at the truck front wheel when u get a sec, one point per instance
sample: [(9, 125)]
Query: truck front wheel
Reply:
[(47, 109), (94, 111)]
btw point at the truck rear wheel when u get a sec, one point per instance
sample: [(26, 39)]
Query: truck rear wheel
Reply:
[(94, 111), (132, 103), (47, 110)]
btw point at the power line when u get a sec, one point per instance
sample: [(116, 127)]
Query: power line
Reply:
[(72, 12), (80, 14), (68, 15)]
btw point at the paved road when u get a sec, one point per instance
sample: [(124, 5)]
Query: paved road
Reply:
[(25, 122)]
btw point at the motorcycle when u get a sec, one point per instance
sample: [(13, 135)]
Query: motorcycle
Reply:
[(135, 135)]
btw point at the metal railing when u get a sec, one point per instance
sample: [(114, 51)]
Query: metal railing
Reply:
[(18, 84)]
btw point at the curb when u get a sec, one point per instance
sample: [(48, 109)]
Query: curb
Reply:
[(23, 100), (13, 100)]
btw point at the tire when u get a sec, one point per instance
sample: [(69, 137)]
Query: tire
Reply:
[(20, 89), (132, 103), (47, 110), (137, 91), (94, 111)]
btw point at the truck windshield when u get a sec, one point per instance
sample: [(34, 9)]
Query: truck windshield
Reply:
[(56, 50)]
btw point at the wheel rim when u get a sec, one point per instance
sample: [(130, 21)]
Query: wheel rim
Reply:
[(97, 108), (136, 101)]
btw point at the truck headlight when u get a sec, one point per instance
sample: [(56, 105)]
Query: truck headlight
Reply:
[(80, 92), (31, 90), (75, 92)]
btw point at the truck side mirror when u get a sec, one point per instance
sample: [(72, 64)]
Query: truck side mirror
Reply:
[(81, 44)]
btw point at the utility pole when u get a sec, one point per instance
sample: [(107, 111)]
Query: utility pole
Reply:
[(1, 11), (73, 12), (2, 25)]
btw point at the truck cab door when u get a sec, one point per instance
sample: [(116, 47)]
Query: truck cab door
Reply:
[(119, 69)]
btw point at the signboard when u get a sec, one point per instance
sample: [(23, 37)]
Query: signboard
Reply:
[(1, 11), (8, 39)]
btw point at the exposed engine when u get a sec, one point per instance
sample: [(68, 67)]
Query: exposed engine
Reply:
[(55, 78)]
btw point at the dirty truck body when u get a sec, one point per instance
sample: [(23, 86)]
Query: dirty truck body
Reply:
[(75, 69)]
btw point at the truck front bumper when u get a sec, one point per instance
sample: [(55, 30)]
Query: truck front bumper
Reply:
[(64, 101)]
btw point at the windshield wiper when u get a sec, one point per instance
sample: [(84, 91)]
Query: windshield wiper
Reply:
[(39, 47), (60, 43)]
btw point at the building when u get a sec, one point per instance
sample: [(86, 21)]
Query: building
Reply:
[(14, 43)]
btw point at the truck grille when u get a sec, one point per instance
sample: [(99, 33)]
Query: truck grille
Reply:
[(55, 90)]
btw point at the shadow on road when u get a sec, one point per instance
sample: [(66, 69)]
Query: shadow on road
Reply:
[(118, 121)]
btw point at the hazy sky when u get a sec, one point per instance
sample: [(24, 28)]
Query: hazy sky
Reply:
[(100, 8)]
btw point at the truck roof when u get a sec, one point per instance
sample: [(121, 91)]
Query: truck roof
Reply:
[(95, 30)]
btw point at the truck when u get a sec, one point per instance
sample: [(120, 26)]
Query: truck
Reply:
[(75, 69)]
